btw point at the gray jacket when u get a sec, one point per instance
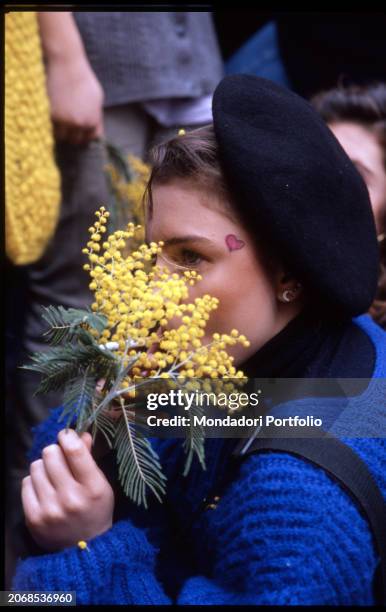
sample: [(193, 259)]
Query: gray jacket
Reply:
[(140, 56)]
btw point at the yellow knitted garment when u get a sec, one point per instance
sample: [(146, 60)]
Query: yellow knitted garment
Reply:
[(32, 182)]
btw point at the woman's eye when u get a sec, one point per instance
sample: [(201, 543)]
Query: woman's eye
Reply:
[(190, 258), (184, 258)]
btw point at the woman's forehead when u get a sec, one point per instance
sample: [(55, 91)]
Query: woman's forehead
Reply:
[(175, 206)]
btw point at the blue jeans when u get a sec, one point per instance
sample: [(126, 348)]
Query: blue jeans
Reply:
[(260, 55)]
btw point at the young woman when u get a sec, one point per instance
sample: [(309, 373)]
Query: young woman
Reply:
[(357, 117), (266, 205)]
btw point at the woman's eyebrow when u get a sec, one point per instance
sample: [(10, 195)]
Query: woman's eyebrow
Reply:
[(186, 239)]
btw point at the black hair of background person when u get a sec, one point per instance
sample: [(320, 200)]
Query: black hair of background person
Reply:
[(321, 48)]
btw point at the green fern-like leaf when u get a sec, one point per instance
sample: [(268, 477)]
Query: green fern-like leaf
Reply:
[(194, 441), (58, 374), (194, 435), (103, 424), (78, 399), (139, 467), (42, 359), (120, 214), (119, 161), (58, 365), (66, 323)]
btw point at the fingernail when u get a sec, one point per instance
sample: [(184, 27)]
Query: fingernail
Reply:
[(69, 435)]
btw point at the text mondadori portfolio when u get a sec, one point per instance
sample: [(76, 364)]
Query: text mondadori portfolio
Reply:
[(233, 401), (232, 421)]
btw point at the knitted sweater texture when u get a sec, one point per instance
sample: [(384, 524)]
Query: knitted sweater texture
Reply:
[(283, 533)]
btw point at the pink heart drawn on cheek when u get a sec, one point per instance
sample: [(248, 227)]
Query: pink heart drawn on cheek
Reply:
[(234, 243)]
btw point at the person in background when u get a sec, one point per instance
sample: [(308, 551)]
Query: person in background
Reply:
[(357, 117), (133, 78)]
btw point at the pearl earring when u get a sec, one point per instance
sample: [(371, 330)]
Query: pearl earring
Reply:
[(287, 295)]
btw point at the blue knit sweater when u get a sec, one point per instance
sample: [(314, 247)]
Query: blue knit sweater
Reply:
[(283, 533)]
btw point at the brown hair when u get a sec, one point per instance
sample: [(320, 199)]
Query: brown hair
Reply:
[(365, 105), (194, 156)]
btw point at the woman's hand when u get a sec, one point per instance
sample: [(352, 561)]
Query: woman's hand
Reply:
[(76, 100), (66, 497)]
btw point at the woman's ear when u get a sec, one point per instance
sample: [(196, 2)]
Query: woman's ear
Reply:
[(288, 288)]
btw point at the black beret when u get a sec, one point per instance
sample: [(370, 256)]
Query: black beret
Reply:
[(289, 175)]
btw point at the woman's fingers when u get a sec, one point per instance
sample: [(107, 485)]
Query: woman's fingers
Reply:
[(79, 458), (43, 487), (30, 501), (56, 467), (52, 475), (76, 504)]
